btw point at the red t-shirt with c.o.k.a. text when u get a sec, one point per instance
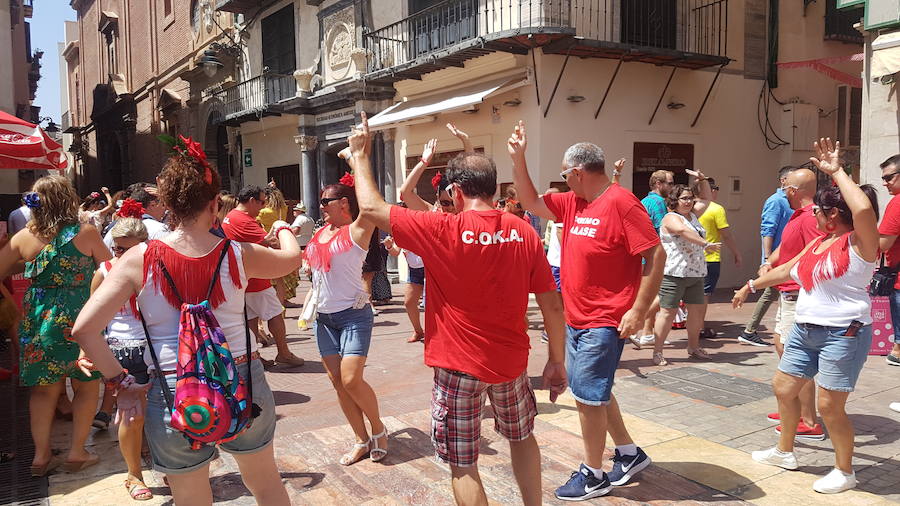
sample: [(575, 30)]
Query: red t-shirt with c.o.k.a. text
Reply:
[(602, 241), (480, 267)]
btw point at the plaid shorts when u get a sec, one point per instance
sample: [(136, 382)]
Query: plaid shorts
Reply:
[(457, 400)]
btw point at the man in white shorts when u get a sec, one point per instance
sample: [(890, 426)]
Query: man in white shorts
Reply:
[(262, 301), (801, 229)]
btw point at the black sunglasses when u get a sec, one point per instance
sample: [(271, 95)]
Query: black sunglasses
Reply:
[(327, 200), (889, 177), (120, 249), (714, 188)]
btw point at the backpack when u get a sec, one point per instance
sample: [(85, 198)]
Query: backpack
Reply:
[(213, 403)]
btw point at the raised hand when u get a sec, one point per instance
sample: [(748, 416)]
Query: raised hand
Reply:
[(617, 170), (428, 152), (459, 134), (345, 154), (360, 139), (517, 142), (828, 155), (695, 173), (272, 184)]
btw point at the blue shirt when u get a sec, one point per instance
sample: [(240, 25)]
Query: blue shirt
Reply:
[(775, 214), (656, 208)]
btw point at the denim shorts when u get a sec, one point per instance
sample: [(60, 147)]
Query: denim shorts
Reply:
[(345, 333), (894, 300), (172, 453), (713, 270), (592, 357), (416, 276), (826, 354)]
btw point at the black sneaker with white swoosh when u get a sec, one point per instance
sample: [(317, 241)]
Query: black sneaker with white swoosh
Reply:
[(583, 485), (625, 467)]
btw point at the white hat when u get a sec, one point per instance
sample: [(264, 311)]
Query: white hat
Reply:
[(300, 207)]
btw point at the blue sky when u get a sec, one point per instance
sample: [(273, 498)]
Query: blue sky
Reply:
[(47, 30)]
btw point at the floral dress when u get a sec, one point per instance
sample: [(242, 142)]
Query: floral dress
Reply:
[(60, 285)]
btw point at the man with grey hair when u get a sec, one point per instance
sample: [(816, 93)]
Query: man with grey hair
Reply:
[(612, 268)]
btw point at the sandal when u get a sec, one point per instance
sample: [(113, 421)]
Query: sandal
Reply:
[(101, 420), (354, 456), (291, 360), (77, 467), (658, 358), (416, 337), (42, 470), (137, 490), (699, 353), (376, 453)]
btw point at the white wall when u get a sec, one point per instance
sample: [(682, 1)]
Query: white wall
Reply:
[(880, 127), (272, 144)]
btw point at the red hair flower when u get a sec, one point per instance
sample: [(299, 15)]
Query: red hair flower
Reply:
[(131, 209), (347, 180), (188, 147), (436, 180)]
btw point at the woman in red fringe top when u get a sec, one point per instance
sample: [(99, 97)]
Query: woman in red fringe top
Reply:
[(189, 189), (833, 331)]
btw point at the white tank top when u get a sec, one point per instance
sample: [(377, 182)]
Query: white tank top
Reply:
[(836, 302), (162, 318), (124, 330), (337, 270), (684, 259), (412, 260)]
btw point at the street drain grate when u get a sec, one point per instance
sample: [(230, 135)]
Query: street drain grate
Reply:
[(712, 387)]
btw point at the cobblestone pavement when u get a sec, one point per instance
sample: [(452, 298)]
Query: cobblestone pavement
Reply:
[(700, 449)]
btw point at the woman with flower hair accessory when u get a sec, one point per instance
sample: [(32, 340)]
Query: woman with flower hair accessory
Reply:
[(95, 210), (439, 182), (60, 256)]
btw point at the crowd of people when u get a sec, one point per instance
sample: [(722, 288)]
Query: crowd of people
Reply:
[(158, 290)]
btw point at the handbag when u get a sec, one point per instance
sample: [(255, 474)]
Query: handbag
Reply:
[(882, 284)]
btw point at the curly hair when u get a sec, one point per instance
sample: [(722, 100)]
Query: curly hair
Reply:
[(183, 190), (674, 193), (58, 206)]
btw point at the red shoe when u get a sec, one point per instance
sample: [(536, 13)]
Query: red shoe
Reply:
[(814, 433), (774, 417)]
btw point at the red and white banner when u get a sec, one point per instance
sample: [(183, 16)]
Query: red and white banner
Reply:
[(24, 145), (821, 65)]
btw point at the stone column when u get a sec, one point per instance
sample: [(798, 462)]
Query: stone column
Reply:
[(390, 182), (309, 171)]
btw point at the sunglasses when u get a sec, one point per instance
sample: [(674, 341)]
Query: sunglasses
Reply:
[(819, 209), (120, 249), (446, 203), (714, 188), (327, 200), (565, 173), (888, 178)]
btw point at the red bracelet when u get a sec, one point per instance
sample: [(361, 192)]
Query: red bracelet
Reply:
[(279, 229), (115, 380)]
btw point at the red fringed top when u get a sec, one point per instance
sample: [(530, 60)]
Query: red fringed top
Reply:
[(191, 275), (832, 263)]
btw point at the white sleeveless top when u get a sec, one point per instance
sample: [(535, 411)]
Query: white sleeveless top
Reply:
[(337, 270), (124, 330), (684, 259), (163, 319), (838, 301)]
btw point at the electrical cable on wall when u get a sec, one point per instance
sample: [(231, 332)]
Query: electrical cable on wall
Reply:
[(765, 127)]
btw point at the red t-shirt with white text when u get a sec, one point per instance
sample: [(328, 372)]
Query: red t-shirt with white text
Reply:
[(800, 230), (602, 241), (239, 226), (480, 267), (890, 225)]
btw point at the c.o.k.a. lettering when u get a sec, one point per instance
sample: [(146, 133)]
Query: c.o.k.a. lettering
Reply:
[(487, 238)]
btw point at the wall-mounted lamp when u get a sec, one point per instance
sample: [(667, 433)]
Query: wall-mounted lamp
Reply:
[(575, 98), (210, 63), (674, 105), (513, 103)]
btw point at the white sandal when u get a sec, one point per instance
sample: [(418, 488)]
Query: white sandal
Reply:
[(347, 459), (377, 453)]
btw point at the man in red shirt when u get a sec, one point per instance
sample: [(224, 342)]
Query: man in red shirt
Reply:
[(801, 229), (607, 234), (481, 265), (889, 230), (261, 299)]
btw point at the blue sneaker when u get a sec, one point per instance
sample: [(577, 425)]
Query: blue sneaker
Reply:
[(583, 485), (626, 466)]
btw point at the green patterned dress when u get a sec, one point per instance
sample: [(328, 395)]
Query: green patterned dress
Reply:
[(60, 285)]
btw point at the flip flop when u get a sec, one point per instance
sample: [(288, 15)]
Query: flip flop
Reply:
[(77, 467)]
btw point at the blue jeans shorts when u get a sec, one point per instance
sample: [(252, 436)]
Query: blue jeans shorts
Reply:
[(172, 453), (826, 354), (555, 271), (416, 276), (894, 300), (345, 333), (592, 357)]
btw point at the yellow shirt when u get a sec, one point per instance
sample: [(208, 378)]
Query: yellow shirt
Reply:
[(267, 217), (713, 220)]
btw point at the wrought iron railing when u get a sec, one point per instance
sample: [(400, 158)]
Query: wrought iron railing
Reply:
[(695, 26), (257, 95)]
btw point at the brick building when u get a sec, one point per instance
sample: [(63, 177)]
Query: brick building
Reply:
[(134, 72)]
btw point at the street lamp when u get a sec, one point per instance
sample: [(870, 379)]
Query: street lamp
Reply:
[(51, 128)]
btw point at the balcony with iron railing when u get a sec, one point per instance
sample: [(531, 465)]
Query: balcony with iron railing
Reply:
[(257, 97), (683, 33)]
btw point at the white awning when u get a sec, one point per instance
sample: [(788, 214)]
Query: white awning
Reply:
[(885, 55), (419, 110)]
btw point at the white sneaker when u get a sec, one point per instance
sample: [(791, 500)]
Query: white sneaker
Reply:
[(773, 457), (647, 340), (835, 482), (895, 406)]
